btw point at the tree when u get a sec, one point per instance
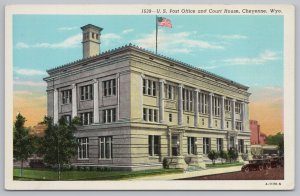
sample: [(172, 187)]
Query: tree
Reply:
[(223, 155), (59, 144), (213, 155), (232, 154), (22, 141), (278, 140)]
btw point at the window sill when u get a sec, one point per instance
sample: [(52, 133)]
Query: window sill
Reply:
[(66, 103), (86, 100), (100, 159), (84, 159), (108, 96), (154, 157), (153, 96)]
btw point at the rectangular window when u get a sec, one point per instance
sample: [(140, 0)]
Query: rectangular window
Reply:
[(219, 144), (170, 118), (149, 87), (86, 118), (86, 92), (150, 115), (227, 105), (109, 115), (241, 145), (238, 125), (191, 145), (203, 103), (144, 114), (206, 145), (67, 119), (66, 96), (216, 106), (169, 91), (109, 87), (105, 147), (188, 120), (83, 148), (187, 98), (237, 108), (154, 145)]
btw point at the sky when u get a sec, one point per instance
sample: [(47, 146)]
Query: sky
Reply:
[(245, 49)]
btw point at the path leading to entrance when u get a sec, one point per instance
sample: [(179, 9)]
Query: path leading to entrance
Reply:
[(192, 174)]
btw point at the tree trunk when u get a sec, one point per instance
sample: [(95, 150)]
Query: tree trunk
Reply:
[(21, 168), (58, 171)]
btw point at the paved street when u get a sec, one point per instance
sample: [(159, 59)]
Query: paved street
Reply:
[(271, 174)]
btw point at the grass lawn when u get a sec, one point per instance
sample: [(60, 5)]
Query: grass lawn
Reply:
[(219, 165), (37, 174)]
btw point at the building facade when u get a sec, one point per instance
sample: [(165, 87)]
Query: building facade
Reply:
[(257, 137), (137, 108)]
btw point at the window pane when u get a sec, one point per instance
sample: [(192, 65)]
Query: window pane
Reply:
[(150, 145)]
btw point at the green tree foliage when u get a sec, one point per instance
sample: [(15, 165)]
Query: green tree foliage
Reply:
[(22, 141), (278, 140), (223, 155), (59, 144), (232, 154), (213, 155)]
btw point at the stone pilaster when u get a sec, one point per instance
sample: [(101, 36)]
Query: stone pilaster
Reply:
[(196, 105), (55, 104), (223, 112), (233, 114), (161, 100), (180, 107), (74, 100), (96, 101), (210, 120)]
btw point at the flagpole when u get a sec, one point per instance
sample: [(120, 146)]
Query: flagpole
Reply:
[(156, 35)]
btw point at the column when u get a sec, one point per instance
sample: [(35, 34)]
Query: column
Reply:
[(55, 104), (233, 114), (170, 142), (210, 120), (118, 96), (96, 101), (223, 112), (161, 100), (180, 109), (243, 115), (74, 100), (141, 94), (246, 114), (196, 107)]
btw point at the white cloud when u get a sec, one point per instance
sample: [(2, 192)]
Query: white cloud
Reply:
[(125, 31), (30, 72), (262, 58), (70, 42), (67, 28), (175, 42), (30, 83), (22, 92), (233, 36), (109, 36)]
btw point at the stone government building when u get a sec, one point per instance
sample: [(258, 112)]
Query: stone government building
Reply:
[(137, 107)]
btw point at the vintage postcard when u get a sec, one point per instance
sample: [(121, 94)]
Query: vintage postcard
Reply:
[(149, 97)]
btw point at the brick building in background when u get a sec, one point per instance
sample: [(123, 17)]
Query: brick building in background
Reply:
[(257, 137)]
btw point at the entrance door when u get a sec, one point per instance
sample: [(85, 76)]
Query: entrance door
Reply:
[(175, 145), (231, 142)]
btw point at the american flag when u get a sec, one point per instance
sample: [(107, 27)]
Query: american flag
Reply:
[(161, 21)]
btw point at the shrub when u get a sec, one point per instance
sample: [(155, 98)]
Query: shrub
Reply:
[(232, 154), (166, 163), (213, 155), (223, 155)]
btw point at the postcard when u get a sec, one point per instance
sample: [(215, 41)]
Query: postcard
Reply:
[(150, 97)]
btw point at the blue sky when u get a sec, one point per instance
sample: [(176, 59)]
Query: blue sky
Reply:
[(246, 49)]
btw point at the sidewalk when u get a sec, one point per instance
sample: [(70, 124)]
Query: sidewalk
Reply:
[(191, 174)]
